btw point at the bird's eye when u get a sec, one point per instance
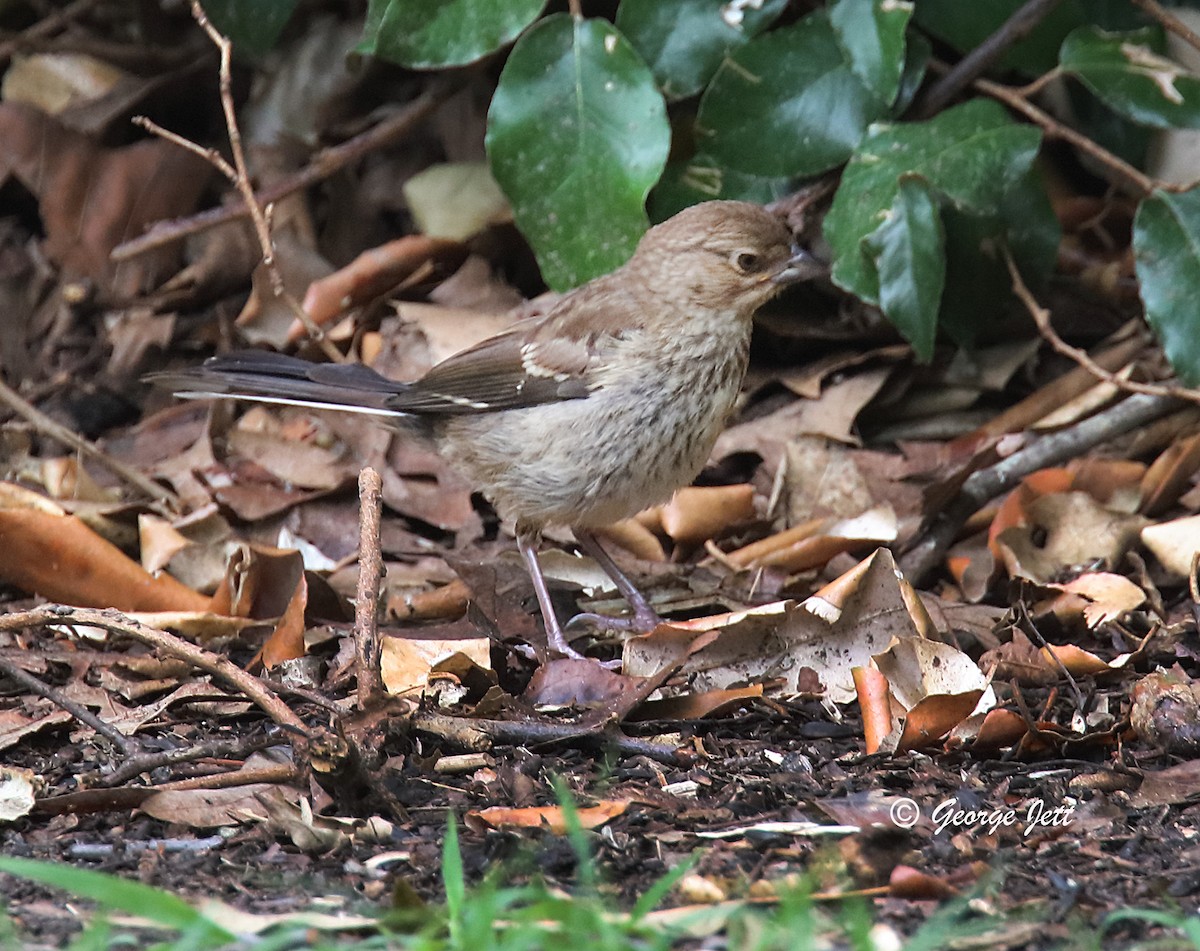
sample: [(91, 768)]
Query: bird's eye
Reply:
[(746, 261)]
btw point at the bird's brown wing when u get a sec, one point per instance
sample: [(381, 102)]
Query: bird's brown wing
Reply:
[(543, 360)]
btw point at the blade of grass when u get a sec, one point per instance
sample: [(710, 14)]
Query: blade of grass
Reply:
[(118, 894)]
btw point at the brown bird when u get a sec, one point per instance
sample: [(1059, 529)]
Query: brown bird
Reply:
[(588, 413)]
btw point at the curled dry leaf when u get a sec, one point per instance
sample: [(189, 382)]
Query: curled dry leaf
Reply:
[(406, 662), (936, 685), (839, 628), (696, 514), (17, 790), (375, 272), (813, 543), (633, 535), (1063, 530), (58, 557), (92, 198)]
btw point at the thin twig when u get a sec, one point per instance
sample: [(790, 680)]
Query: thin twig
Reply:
[(977, 62), (983, 486), (1041, 317), (57, 697), (44, 27), (366, 602), (1012, 98), (149, 761), (322, 166), (1029, 629), (116, 623), (238, 175), (59, 433)]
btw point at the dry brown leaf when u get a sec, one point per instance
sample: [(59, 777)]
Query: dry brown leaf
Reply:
[(406, 662), (92, 198), (375, 272), (543, 817), (1063, 530), (936, 687), (696, 706), (837, 629), (1170, 475), (1094, 598), (60, 558), (696, 514)]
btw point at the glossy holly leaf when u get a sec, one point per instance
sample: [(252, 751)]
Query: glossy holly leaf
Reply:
[(971, 155), (871, 34), (251, 27), (684, 41), (577, 135), (786, 104), (1166, 247), (908, 252), (701, 178), (1128, 74), (430, 34)]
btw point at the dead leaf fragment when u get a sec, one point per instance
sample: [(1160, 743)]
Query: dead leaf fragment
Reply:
[(17, 790), (548, 817), (1066, 529), (1174, 543)]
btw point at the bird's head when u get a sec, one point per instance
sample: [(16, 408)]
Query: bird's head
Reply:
[(721, 256)]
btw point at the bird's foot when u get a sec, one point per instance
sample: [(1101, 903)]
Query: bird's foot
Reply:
[(642, 622), (556, 642)]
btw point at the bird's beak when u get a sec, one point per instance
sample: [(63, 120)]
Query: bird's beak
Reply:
[(803, 265)]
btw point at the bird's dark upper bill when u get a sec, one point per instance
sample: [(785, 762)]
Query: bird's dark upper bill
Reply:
[(801, 266)]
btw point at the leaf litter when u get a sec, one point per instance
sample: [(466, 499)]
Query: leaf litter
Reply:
[(799, 674)]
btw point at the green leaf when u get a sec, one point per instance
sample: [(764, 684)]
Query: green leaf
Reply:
[(978, 290), (964, 25), (908, 251), (429, 34), (972, 155), (133, 898), (916, 59), (1124, 71), (1166, 248), (786, 104), (701, 178), (577, 135), (252, 27), (871, 34), (684, 41)]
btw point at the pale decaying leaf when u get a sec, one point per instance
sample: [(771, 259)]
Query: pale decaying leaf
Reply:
[(1065, 529), (1174, 543), (406, 663), (455, 200), (837, 629), (935, 685), (1097, 597), (54, 81), (549, 817), (17, 788)]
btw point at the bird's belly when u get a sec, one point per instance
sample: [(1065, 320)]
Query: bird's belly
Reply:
[(593, 461)]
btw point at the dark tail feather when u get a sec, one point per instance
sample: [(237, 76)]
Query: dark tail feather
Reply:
[(266, 377)]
